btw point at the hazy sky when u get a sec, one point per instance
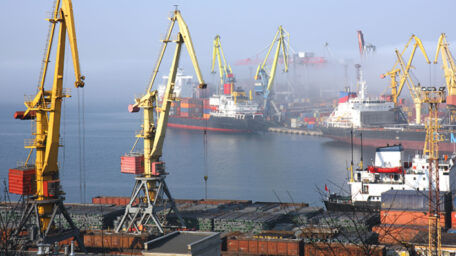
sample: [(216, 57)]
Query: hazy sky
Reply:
[(119, 40)]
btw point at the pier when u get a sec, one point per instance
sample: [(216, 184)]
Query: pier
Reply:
[(294, 131)]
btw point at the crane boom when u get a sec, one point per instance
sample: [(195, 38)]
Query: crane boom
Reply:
[(188, 43), (151, 187), (433, 98), (225, 72), (400, 69), (46, 106), (265, 86), (449, 69)]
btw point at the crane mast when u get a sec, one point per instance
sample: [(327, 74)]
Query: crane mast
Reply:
[(433, 97), (225, 72), (46, 197), (266, 79), (449, 69), (401, 70), (150, 186)]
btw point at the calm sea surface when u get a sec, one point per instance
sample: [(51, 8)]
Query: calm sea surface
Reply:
[(259, 167)]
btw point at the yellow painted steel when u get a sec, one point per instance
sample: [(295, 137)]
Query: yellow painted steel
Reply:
[(282, 37), (449, 69), (224, 68), (47, 105), (396, 88), (413, 89), (153, 133), (433, 98)]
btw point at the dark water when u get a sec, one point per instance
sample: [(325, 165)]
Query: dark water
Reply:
[(259, 167)]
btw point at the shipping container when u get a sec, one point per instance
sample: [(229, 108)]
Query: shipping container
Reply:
[(309, 119), (227, 89)]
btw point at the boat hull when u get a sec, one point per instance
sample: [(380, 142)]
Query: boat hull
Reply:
[(408, 138), (219, 124)]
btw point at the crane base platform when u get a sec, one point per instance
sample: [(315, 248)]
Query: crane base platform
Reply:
[(31, 216), (143, 211)]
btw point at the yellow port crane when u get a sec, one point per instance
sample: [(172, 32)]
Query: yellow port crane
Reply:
[(147, 198), (449, 69), (433, 98), (400, 66), (45, 108), (225, 72), (265, 77)]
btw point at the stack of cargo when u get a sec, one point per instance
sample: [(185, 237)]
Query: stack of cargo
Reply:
[(184, 107), (191, 107), (346, 221), (227, 88), (93, 217), (246, 222), (200, 215), (206, 109), (302, 215), (310, 122), (404, 215), (112, 200), (175, 108)]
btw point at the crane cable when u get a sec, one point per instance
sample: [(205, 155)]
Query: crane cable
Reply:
[(206, 172), (81, 146)]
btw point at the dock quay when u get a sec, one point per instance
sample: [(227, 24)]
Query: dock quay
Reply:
[(295, 131), (236, 227)]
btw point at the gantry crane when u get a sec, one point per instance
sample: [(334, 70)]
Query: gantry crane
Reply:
[(225, 72), (399, 66), (46, 197), (266, 78), (433, 98), (449, 69), (147, 198)]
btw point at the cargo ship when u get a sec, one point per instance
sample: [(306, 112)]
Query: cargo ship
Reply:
[(379, 122), (390, 172), (230, 111)]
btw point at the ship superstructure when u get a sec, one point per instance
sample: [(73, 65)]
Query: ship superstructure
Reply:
[(359, 110), (390, 171)]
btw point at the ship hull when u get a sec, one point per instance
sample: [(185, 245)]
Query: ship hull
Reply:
[(219, 124), (349, 207), (409, 138)]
